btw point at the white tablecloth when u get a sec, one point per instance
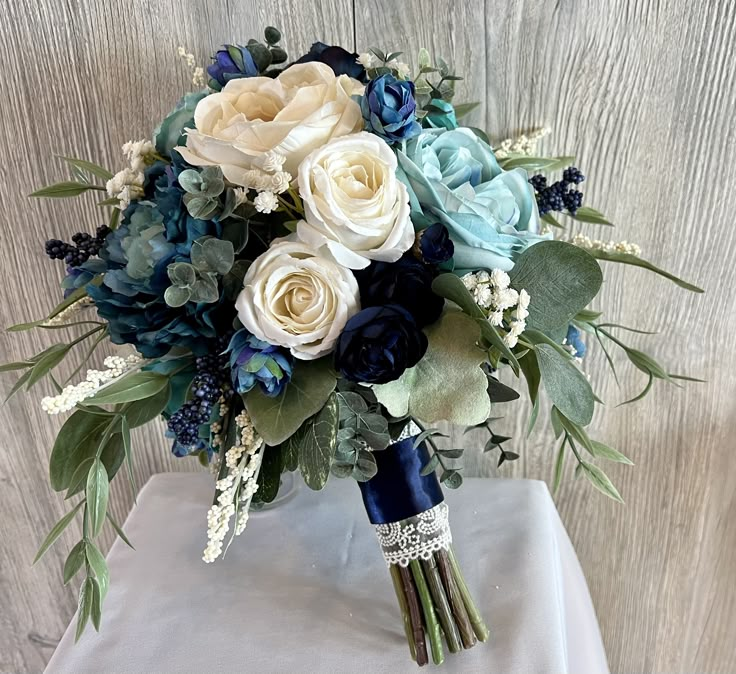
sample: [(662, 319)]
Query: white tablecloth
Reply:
[(305, 588)]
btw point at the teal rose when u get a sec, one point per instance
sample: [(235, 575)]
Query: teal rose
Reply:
[(440, 115), (454, 178)]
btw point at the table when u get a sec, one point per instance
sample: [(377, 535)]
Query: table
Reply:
[(305, 588)]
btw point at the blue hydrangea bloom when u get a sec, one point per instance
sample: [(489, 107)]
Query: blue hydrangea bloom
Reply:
[(389, 109), (573, 340), (131, 296), (232, 62), (255, 362)]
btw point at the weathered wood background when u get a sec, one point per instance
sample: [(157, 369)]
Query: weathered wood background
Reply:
[(642, 91)]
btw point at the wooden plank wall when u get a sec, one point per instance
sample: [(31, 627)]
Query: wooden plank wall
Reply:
[(642, 91)]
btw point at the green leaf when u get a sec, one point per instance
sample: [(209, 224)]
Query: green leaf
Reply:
[(77, 440), (588, 214), (18, 365), (140, 412), (500, 393), (131, 387), (269, 476), (202, 208), (211, 254), (575, 431), (89, 167), (600, 481), (175, 296), (561, 280), (119, 531), (181, 274), (98, 492), (47, 361), (452, 479), (627, 258), (205, 288), (365, 466), (63, 190), (291, 450), (464, 109), (536, 163), (18, 384), (318, 445), (272, 35), (96, 608), (125, 432), (431, 465), (99, 566), (602, 451), (559, 464), (74, 561), (551, 221), (73, 297), (84, 609), (276, 419), (567, 387), (448, 383), (452, 288), (58, 529)]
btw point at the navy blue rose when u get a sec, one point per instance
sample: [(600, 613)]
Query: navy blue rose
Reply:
[(433, 245), (340, 60), (407, 282), (574, 341), (378, 344), (255, 362), (389, 109), (231, 63)]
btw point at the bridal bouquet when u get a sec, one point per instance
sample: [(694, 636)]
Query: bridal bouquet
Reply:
[(313, 262)]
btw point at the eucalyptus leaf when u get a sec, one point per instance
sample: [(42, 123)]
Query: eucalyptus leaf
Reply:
[(430, 466), (181, 274), (365, 467), (57, 530), (567, 387), (561, 280), (176, 296), (275, 419), (318, 445), (129, 388), (205, 289), (97, 493)]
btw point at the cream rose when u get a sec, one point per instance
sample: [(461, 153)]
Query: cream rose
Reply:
[(353, 202), (301, 109), (295, 298)]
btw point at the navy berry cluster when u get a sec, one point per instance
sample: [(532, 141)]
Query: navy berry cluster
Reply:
[(84, 246), (559, 196), (210, 382)]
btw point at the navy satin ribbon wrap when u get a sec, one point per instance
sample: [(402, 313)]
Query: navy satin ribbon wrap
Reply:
[(398, 491)]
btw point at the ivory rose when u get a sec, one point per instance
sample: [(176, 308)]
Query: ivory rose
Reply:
[(296, 298), (353, 202), (292, 114)]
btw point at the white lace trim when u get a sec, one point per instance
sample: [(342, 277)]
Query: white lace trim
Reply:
[(416, 537), (410, 430)]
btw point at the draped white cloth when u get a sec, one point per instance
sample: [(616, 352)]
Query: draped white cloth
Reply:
[(306, 589)]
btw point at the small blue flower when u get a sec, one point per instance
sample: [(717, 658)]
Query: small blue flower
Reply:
[(389, 109), (340, 60), (574, 341), (434, 245), (231, 63), (253, 361)]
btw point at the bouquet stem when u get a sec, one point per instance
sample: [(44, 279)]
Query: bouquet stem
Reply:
[(479, 627)]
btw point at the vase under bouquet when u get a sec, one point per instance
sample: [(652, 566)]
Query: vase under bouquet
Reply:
[(313, 261)]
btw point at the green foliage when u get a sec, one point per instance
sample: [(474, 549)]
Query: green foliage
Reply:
[(64, 190), (535, 164), (89, 167), (318, 440), (197, 282), (591, 215), (448, 383), (278, 418), (84, 608), (269, 475), (130, 388), (561, 280), (626, 258), (57, 530), (567, 387), (97, 495), (212, 255), (75, 561), (451, 288)]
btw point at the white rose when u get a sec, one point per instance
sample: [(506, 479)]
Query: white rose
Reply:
[(295, 298), (254, 119), (353, 202)]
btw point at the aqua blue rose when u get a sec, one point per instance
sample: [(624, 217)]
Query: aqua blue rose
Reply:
[(441, 115), (454, 178)]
